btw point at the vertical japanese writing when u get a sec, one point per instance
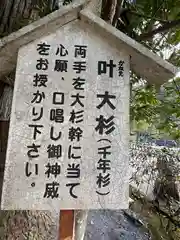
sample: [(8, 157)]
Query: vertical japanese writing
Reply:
[(76, 117), (56, 116), (105, 126), (39, 82)]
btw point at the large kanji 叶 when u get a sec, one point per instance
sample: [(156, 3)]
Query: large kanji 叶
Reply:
[(103, 67)]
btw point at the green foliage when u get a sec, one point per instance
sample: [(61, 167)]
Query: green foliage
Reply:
[(159, 110), (144, 104), (148, 107), (169, 109)]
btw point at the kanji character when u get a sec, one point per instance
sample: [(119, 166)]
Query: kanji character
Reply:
[(40, 80), (36, 130), (42, 64), (103, 65), (27, 172), (104, 123), (78, 83), (121, 68), (61, 65), (52, 135), (106, 99), (71, 155), (43, 48), (38, 97), (34, 149), (34, 113), (57, 115), (54, 151), (76, 117), (104, 165), (73, 171), (80, 50), (72, 186), (62, 51), (53, 169), (58, 98), (52, 190), (79, 67), (77, 99), (75, 133), (103, 151), (103, 181)]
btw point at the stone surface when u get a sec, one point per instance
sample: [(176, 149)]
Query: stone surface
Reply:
[(17, 190), (113, 225)]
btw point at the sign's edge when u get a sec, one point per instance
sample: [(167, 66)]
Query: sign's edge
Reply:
[(160, 70), (10, 44)]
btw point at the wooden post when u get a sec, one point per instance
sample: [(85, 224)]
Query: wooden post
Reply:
[(72, 224), (66, 225)]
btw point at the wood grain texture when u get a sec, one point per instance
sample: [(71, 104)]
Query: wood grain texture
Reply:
[(6, 96), (66, 225)]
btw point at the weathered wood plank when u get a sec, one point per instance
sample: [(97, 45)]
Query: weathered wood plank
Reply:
[(6, 95), (1, 88), (6, 102), (4, 128)]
